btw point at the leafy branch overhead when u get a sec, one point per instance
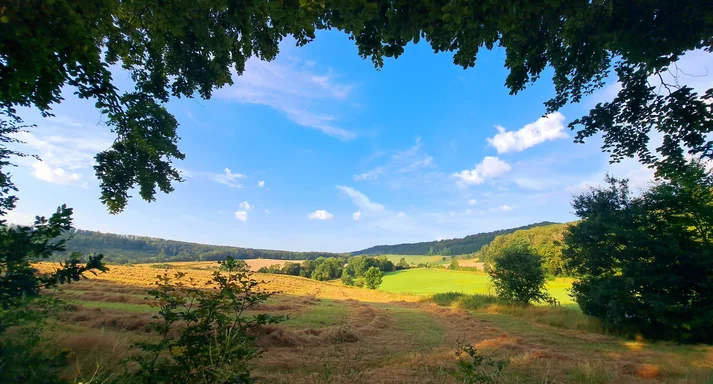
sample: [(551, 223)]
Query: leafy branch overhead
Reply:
[(190, 48)]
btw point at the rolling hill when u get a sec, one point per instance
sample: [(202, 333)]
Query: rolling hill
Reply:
[(468, 244)]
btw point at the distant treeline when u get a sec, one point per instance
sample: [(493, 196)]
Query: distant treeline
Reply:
[(124, 249), (466, 245), (352, 270)]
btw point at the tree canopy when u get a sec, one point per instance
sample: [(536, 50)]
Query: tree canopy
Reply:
[(190, 48)]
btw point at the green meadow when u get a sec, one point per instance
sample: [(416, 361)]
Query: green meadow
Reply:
[(424, 281)]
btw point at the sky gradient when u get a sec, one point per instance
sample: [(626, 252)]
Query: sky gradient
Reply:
[(317, 150)]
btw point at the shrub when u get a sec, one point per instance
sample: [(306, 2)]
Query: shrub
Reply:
[(373, 277), (359, 282), (464, 301), (402, 264), (162, 266), (203, 334), (474, 368), (347, 279), (518, 276)]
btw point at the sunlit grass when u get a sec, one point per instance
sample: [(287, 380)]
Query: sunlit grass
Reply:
[(424, 281)]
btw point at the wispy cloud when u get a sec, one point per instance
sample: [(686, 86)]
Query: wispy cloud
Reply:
[(261, 183), (293, 87), (502, 208), (356, 215), (547, 128), (320, 214), (404, 162), (490, 167), (361, 200), (66, 149), (229, 178)]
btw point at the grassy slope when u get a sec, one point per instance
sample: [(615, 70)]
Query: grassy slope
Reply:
[(422, 281)]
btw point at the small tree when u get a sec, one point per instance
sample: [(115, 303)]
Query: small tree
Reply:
[(454, 265), (373, 277), (204, 334), (402, 264), (518, 276), (347, 279)]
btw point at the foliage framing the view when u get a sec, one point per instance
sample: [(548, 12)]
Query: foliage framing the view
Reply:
[(646, 262), (193, 47), (22, 308)]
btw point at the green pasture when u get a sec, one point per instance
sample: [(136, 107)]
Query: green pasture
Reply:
[(423, 281)]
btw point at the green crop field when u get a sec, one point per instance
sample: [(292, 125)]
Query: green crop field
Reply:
[(418, 259), (422, 281)]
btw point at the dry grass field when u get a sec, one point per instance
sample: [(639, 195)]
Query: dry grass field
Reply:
[(340, 334)]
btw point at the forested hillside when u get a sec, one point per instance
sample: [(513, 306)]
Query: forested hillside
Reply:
[(546, 241), (142, 249), (468, 244)]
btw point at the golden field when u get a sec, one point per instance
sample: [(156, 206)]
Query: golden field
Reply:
[(392, 338)]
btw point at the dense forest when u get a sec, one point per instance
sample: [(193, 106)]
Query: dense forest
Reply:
[(123, 249), (468, 244)]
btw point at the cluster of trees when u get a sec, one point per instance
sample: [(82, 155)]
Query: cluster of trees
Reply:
[(449, 247), (353, 270), (545, 241), (645, 261), (122, 249)]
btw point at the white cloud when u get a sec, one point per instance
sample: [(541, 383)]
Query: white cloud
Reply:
[(502, 208), (245, 206), (66, 149), (261, 183), (291, 87), (320, 214), (228, 178), (361, 200), (401, 215), (468, 211), (43, 171), (472, 202), (547, 128), (490, 167), (267, 211), (242, 216), (356, 215)]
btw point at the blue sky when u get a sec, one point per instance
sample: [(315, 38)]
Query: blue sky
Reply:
[(319, 151)]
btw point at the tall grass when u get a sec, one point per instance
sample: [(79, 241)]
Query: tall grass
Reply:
[(463, 301), (559, 317)]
